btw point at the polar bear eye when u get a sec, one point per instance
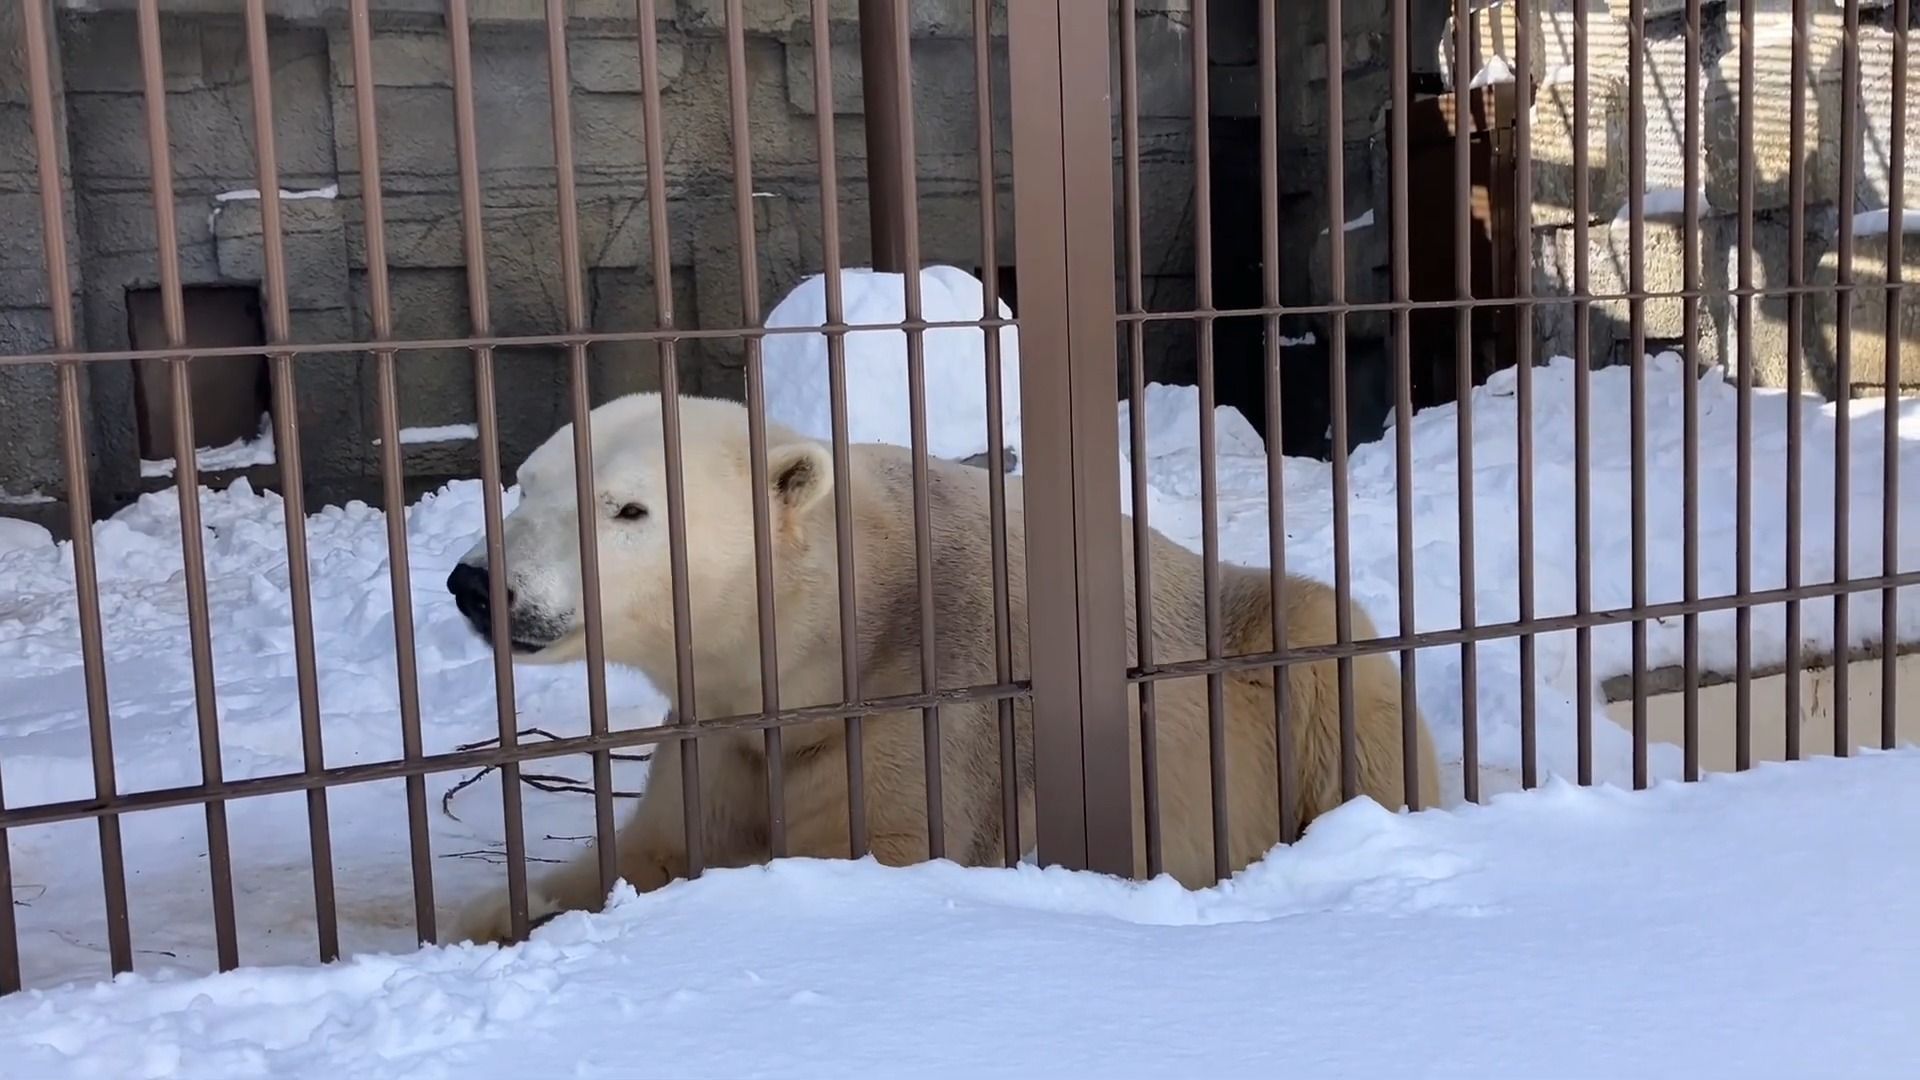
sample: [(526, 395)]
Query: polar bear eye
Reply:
[(631, 512)]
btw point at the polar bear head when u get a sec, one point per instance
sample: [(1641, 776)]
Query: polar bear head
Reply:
[(626, 504)]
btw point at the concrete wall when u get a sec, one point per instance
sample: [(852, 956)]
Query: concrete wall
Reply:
[(1665, 80), (210, 118)]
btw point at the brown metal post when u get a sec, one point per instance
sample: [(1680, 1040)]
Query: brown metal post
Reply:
[(881, 74), (1064, 251)]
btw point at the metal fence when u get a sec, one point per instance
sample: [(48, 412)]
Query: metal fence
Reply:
[(1089, 704)]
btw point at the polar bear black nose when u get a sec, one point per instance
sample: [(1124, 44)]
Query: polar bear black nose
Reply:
[(468, 584)]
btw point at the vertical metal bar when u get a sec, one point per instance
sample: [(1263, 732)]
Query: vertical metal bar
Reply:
[(888, 174), (1285, 789), (1796, 345), (744, 238), (392, 486), (1637, 357), (837, 380), (9, 933), (585, 491), (1743, 417), (1582, 400), (1843, 372), (286, 422), (1890, 446), (73, 438), (1523, 371), (1401, 284), (473, 247), (1209, 458), (1689, 398), (1143, 617), (909, 227), (996, 431), (686, 711), (1463, 392), (1337, 392), (187, 479), (1063, 143)]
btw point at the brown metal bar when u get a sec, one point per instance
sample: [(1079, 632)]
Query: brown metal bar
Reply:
[(1337, 393), (1463, 47), (889, 174), (1400, 261), (196, 794), (473, 247), (837, 387), (9, 933), (744, 239), (832, 328), (497, 757), (1743, 417), (392, 465), (1796, 345), (686, 712), (1637, 358), (1582, 400), (585, 491), (909, 247), (1843, 370), (1523, 382), (1143, 618), (1062, 143), (73, 438), (1209, 456), (1890, 446), (1285, 794), (286, 424), (186, 476), (996, 440), (1690, 149)]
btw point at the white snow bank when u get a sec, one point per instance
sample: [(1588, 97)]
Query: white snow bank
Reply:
[(17, 534), (1753, 925), (239, 454), (799, 394)]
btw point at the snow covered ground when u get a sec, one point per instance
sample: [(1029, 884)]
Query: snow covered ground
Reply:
[(1373, 916), (1758, 925)]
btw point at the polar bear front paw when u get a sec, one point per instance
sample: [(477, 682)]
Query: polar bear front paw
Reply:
[(489, 920)]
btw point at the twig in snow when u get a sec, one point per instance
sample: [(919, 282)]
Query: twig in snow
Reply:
[(564, 785)]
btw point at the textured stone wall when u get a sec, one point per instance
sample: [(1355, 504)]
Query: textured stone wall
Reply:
[(1828, 208), (318, 140)]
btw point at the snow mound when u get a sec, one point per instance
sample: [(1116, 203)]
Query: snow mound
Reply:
[(1564, 932), (799, 394)]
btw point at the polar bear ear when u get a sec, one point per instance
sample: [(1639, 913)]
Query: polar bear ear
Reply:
[(800, 474)]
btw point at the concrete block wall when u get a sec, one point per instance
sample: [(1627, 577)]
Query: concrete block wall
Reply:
[(1828, 208), (220, 233)]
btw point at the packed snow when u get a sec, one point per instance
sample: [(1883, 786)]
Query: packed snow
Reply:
[(1751, 925), (878, 403), (439, 433), (245, 453), (985, 970)]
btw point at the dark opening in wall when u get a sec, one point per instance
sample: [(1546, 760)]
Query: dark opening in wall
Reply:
[(1008, 282), (230, 394)]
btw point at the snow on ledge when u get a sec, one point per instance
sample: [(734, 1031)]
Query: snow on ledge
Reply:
[(1879, 222), (239, 454)]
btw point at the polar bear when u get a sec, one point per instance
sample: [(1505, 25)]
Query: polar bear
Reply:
[(541, 541)]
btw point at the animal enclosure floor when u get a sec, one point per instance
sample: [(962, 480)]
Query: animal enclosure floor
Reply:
[(1758, 925), (45, 750)]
